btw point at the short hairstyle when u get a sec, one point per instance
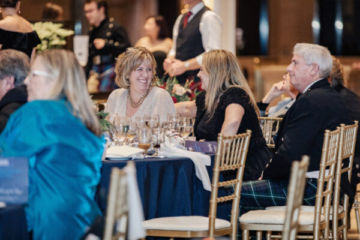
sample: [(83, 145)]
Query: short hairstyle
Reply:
[(128, 61), (224, 72), (313, 53), (15, 64), (63, 66), (161, 23), (337, 73), (8, 3), (100, 3), (51, 11)]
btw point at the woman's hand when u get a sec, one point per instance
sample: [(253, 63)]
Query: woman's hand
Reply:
[(276, 90), (186, 109)]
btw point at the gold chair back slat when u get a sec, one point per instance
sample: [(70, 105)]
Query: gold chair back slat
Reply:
[(294, 201), (231, 167), (117, 206), (226, 199), (346, 151), (269, 127), (230, 155), (228, 183)]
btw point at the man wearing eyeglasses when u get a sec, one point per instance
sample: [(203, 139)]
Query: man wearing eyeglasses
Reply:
[(107, 39), (14, 67)]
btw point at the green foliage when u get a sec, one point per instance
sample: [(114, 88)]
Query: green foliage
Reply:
[(52, 35)]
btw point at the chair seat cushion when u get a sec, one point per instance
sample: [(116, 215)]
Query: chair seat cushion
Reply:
[(306, 208), (276, 217), (187, 223)]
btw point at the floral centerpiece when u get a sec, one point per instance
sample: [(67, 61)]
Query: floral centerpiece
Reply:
[(179, 93), (52, 35)]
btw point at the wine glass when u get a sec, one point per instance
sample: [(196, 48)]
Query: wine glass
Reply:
[(157, 139), (131, 131), (113, 120), (140, 122), (144, 135)]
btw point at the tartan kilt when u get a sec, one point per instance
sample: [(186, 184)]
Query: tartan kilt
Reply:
[(107, 82)]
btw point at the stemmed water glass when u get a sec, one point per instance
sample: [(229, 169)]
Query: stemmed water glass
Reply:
[(140, 122)]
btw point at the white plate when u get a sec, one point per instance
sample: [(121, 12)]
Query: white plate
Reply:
[(117, 158)]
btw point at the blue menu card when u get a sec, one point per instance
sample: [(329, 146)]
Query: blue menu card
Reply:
[(14, 180), (205, 147)]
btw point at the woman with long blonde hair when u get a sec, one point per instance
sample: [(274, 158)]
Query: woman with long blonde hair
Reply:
[(227, 106), (58, 131)]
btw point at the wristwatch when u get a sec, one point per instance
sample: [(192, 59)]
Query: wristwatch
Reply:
[(187, 64)]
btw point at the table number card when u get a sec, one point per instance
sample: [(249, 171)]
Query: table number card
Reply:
[(205, 147), (14, 181)]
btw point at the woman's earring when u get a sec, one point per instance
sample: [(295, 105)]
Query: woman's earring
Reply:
[(19, 12)]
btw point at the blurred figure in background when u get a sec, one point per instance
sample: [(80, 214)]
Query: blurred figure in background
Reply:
[(107, 40), (52, 12), (14, 67), (16, 32), (195, 32), (352, 103), (156, 40), (276, 90)]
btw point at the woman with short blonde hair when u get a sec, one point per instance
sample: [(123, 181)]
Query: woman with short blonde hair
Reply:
[(138, 95), (58, 131), (227, 106)]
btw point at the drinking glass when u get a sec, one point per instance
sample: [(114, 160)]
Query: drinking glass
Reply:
[(131, 131), (140, 122), (144, 135), (157, 139)]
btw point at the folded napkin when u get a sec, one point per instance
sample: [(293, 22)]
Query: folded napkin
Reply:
[(136, 214), (200, 161), (122, 151)]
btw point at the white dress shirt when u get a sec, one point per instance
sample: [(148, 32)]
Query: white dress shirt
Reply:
[(210, 29)]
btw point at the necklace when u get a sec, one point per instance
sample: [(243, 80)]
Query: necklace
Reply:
[(138, 103)]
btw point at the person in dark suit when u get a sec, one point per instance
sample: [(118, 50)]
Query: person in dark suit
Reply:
[(352, 103), (317, 108), (14, 67)]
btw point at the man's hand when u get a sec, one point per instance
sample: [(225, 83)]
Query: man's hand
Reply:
[(276, 90), (99, 43), (177, 68), (167, 64)]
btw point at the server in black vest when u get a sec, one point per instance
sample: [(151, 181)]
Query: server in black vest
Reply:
[(195, 32), (107, 40)]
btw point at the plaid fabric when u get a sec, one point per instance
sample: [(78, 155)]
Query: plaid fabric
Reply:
[(107, 82), (257, 195)]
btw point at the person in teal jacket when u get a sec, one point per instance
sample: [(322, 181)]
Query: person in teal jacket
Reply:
[(60, 134)]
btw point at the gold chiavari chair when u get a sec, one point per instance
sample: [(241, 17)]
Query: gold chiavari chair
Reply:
[(311, 219), (230, 156), (117, 206), (288, 220), (269, 127), (295, 196), (346, 151)]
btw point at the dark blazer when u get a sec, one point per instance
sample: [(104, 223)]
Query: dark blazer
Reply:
[(10, 102), (302, 130), (352, 103)]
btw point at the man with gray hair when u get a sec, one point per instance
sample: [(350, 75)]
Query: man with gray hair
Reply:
[(14, 67), (318, 107)]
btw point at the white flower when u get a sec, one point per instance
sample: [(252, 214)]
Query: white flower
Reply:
[(52, 35)]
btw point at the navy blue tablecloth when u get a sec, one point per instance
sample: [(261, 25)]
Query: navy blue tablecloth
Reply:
[(13, 223), (168, 187)]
